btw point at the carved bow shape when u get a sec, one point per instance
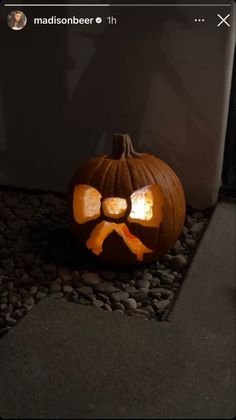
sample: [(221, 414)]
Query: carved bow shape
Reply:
[(146, 210)]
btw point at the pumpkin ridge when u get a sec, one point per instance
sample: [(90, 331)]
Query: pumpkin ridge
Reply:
[(179, 189), (115, 177), (147, 168), (99, 162), (123, 182), (140, 174), (109, 183), (169, 197), (102, 181), (175, 204), (130, 175)]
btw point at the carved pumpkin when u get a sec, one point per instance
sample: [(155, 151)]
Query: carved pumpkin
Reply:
[(127, 207)]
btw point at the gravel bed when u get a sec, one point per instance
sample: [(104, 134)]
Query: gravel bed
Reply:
[(40, 257)]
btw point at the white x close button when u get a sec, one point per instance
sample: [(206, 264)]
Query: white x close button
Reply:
[(223, 20)]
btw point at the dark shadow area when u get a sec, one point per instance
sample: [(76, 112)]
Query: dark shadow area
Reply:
[(33, 78), (229, 169), (54, 243), (113, 91), (43, 125)]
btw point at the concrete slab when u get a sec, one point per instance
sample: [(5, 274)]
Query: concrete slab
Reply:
[(68, 361), (209, 289)]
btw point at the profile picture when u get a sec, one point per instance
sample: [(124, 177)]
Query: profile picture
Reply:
[(16, 20)]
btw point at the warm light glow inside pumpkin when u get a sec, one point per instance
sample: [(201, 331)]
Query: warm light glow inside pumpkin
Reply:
[(114, 207), (86, 203), (142, 202), (146, 206), (146, 210)]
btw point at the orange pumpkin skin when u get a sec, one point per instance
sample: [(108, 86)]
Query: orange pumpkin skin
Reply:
[(119, 175)]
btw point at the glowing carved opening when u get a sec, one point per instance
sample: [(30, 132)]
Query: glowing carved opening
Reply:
[(147, 206), (104, 229), (86, 203), (114, 207), (146, 209)]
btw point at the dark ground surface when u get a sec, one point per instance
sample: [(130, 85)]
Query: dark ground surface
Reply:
[(69, 361), (39, 257)]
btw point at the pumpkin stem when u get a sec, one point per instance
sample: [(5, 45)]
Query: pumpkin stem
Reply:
[(123, 147)]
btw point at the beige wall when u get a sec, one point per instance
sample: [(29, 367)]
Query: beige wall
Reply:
[(188, 129), (166, 83)]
